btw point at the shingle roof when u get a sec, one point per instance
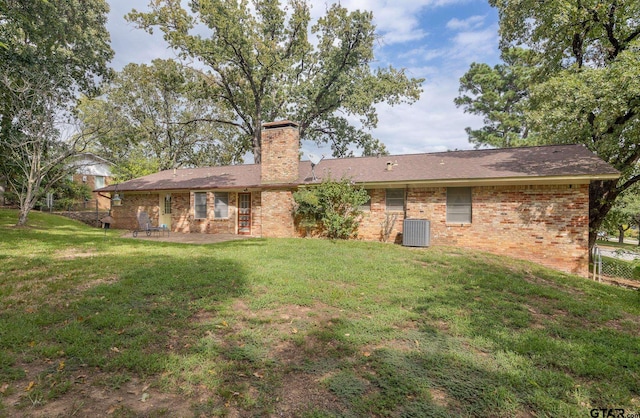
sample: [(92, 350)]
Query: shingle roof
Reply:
[(195, 178), (517, 164)]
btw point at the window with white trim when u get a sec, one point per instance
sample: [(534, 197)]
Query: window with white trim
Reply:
[(99, 182), (395, 199), (221, 205), (459, 205), (200, 205)]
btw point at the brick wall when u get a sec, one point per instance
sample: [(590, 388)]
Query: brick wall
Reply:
[(545, 224), (280, 153), (378, 223), (277, 209), (180, 212), (256, 214), (126, 215), (280, 161)]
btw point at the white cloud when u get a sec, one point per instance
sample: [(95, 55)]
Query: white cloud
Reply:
[(396, 20), (131, 44), (476, 45), (422, 54), (432, 124), (456, 53), (472, 22)]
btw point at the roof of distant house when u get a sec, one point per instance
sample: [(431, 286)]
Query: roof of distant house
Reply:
[(541, 164), (91, 164)]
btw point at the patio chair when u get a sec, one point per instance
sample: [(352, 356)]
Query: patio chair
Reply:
[(144, 225)]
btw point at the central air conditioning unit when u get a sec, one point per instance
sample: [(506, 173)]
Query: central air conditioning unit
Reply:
[(416, 233)]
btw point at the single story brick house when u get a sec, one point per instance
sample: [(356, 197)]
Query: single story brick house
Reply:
[(530, 203)]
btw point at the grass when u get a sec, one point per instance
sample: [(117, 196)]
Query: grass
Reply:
[(304, 328), (624, 246)]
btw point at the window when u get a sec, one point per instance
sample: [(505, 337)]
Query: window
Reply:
[(200, 204), (459, 205), (99, 182), (167, 204), (395, 199), (221, 205), (366, 206)]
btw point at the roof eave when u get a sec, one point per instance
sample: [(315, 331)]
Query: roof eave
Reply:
[(462, 182), (222, 187), (494, 181)]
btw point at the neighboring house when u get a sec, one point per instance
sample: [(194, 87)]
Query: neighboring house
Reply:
[(95, 172), (530, 203)]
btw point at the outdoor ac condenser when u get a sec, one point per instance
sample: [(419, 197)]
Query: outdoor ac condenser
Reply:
[(416, 233)]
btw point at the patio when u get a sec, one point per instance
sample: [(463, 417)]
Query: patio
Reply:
[(188, 238)]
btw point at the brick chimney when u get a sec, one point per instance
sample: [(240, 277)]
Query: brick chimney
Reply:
[(280, 152)]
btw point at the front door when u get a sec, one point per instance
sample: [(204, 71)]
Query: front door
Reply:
[(244, 213), (165, 210)]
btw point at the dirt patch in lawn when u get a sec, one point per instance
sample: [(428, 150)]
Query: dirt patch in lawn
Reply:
[(73, 253), (551, 284), (300, 392), (84, 393), (440, 397), (297, 339), (619, 281)]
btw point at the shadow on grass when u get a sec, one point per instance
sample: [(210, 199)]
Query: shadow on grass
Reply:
[(541, 342), (424, 381), (132, 320)]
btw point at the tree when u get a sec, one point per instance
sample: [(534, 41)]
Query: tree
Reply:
[(156, 118), (67, 193), (260, 65), (584, 86), (36, 148), (332, 207), (624, 214), (499, 94), (65, 42), (49, 51)]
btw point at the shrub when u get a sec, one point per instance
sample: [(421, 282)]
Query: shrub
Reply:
[(331, 208)]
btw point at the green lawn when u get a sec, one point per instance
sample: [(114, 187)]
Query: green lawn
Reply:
[(94, 324), (625, 246)]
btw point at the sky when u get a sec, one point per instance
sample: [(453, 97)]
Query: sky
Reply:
[(432, 39)]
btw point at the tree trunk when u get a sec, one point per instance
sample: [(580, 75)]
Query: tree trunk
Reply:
[(256, 145), (28, 199), (621, 235), (602, 194), (22, 217)]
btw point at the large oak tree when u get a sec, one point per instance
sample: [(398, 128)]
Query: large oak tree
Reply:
[(582, 87), (261, 65)]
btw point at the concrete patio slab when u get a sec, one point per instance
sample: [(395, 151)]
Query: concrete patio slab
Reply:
[(183, 238)]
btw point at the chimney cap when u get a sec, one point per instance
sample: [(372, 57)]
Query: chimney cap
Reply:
[(280, 124)]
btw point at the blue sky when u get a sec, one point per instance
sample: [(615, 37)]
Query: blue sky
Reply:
[(433, 39)]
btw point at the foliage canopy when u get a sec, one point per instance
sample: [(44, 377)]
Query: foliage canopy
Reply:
[(49, 51), (152, 117), (331, 208), (579, 83), (260, 65)]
